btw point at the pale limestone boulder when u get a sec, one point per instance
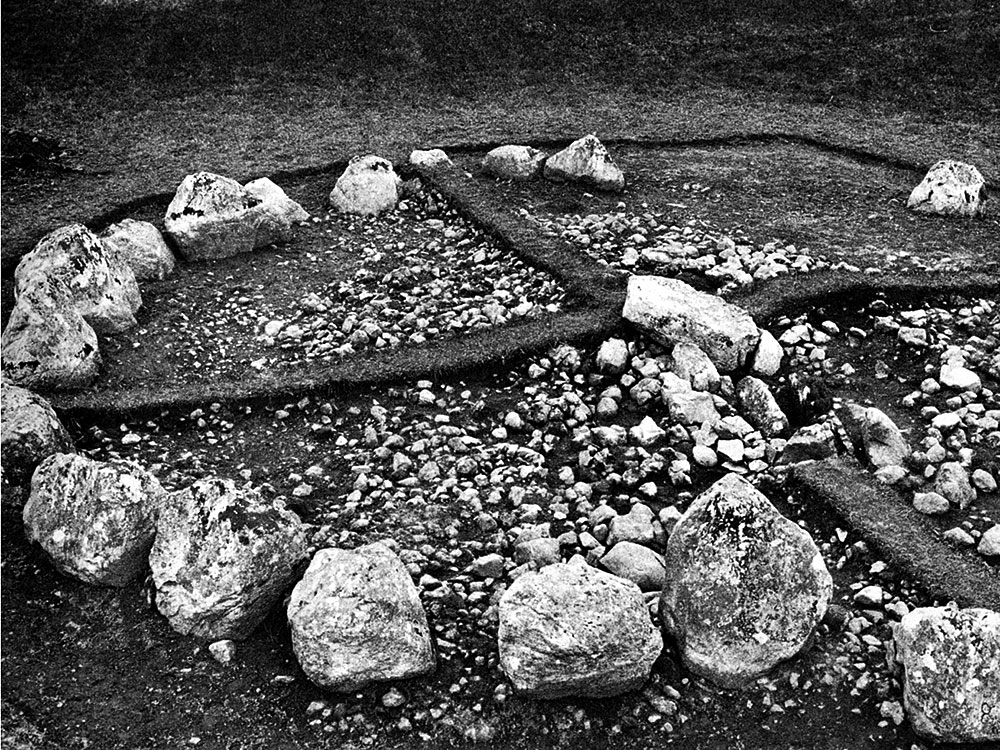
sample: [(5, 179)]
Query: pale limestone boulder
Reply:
[(672, 311), (356, 619), (767, 358), (48, 345), (951, 673), (430, 158), (745, 586), (222, 558), (275, 213), (141, 247), (29, 431), (209, 217), (369, 186), (573, 630), (950, 188), (94, 520), (514, 162), (73, 267), (588, 161)]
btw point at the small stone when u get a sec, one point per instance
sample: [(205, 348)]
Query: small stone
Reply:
[(931, 503), (222, 651), (958, 537), (869, 597), (960, 378), (393, 699), (983, 481), (989, 543)]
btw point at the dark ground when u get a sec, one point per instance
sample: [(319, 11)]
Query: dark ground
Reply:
[(137, 98)]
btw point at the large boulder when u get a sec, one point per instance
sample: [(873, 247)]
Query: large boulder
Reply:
[(572, 630), (367, 187), (585, 160), (356, 618), (514, 162), (48, 346), (94, 520), (951, 672), (277, 213), (672, 311), (29, 431), (951, 188), (745, 586), (73, 267), (141, 247), (882, 441), (222, 558)]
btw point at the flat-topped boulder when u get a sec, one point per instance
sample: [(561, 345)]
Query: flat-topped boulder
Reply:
[(48, 346), (29, 432), (671, 311), (94, 520), (72, 267), (368, 187), (222, 558), (513, 162), (212, 216), (356, 619), (951, 672), (573, 630), (140, 246), (952, 188), (585, 160), (745, 586)]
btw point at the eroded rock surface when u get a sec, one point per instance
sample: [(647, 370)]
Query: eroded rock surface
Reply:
[(586, 160), (141, 247), (367, 187), (951, 188), (29, 432)]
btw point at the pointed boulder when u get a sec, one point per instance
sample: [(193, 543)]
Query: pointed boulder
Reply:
[(588, 161)]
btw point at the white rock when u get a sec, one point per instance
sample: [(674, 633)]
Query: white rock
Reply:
[(210, 216), (693, 365), (647, 432), (704, 456), (635, 526), (759, 406), (140, 245), (222, 558), (951, 679), (768, 355), (94, 520), (989, 543), (275, 213), (585, 160), (745, 586), (731, 450), (572, 630), (952, 481), (984, 481), (514, 162), (367, 187), (951, 188), (954, 375), (930, 503), (434, 157), (883, 442), (612, 356), (73, 268), (672, 311), (29, 431), (691, 407), (356, 618)]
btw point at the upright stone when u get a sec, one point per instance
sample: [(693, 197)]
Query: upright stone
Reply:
[(367, 187), (882, 440), (572, 630), (760, 407), (672, 311), (951, 188), (745, 585), (222, 558), (94, 520), (951, 673), (356, 618), (209, 217), (588, 161), (30, 431)]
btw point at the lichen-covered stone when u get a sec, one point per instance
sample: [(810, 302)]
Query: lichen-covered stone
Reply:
[(951, 672), (212, 216), (222, 558), (29, 432), (952, 188), (572, 630), (94, 520), (745, 586), (72, 267), (585, 160), (356, 618), (140, 246)]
